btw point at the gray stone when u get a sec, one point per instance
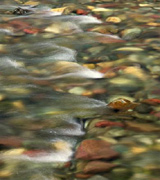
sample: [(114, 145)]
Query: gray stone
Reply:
[(129, 34)]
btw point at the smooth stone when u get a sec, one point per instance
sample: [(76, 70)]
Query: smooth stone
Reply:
[(103, 11), (129, 49), (113, 19), (77, 90), (126, 83), (145, 139), (108, 139), (122, 81), (98, 166), (136, 71), (109, 39), (95, 50), (105, 29), (138, 150), (116, 132), (92, 149)]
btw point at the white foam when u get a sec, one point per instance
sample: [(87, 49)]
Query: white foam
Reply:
[(77, 71), (10, 64), (80, 19), (88, 73), (60, 155)]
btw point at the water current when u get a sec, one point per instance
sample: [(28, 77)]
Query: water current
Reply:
[(61, 64)]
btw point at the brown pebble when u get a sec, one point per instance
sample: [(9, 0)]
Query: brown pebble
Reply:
[(98, 166), (144, 127), (91, 149), (83, 176)]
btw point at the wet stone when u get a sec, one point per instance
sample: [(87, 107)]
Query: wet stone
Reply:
[(117, 132), (103, 12), (95, 149), (113, 19), (144, 127), (79, 90), (97, 167), (126, 84), (129, 34)]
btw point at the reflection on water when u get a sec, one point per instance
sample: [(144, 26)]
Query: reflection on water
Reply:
[(58, 71)]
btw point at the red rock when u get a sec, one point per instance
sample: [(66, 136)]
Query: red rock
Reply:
[(32, 30), (98, 166), (91, 149), (153, 102), (81, 12), (108, 123)]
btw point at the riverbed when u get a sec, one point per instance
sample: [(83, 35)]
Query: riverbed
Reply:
[(79, 90)]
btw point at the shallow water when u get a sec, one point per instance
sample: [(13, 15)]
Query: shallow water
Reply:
[(58, 72)]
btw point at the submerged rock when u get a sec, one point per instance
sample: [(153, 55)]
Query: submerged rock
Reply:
[(129, 34), (91, 149), (144, 127), (98, 166)]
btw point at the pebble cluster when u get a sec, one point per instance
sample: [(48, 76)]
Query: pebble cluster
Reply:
[(80, 90)]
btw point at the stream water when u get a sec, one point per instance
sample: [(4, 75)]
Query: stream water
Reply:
[(61, 64)]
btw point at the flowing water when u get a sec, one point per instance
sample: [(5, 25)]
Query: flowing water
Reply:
[(59, 68)]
